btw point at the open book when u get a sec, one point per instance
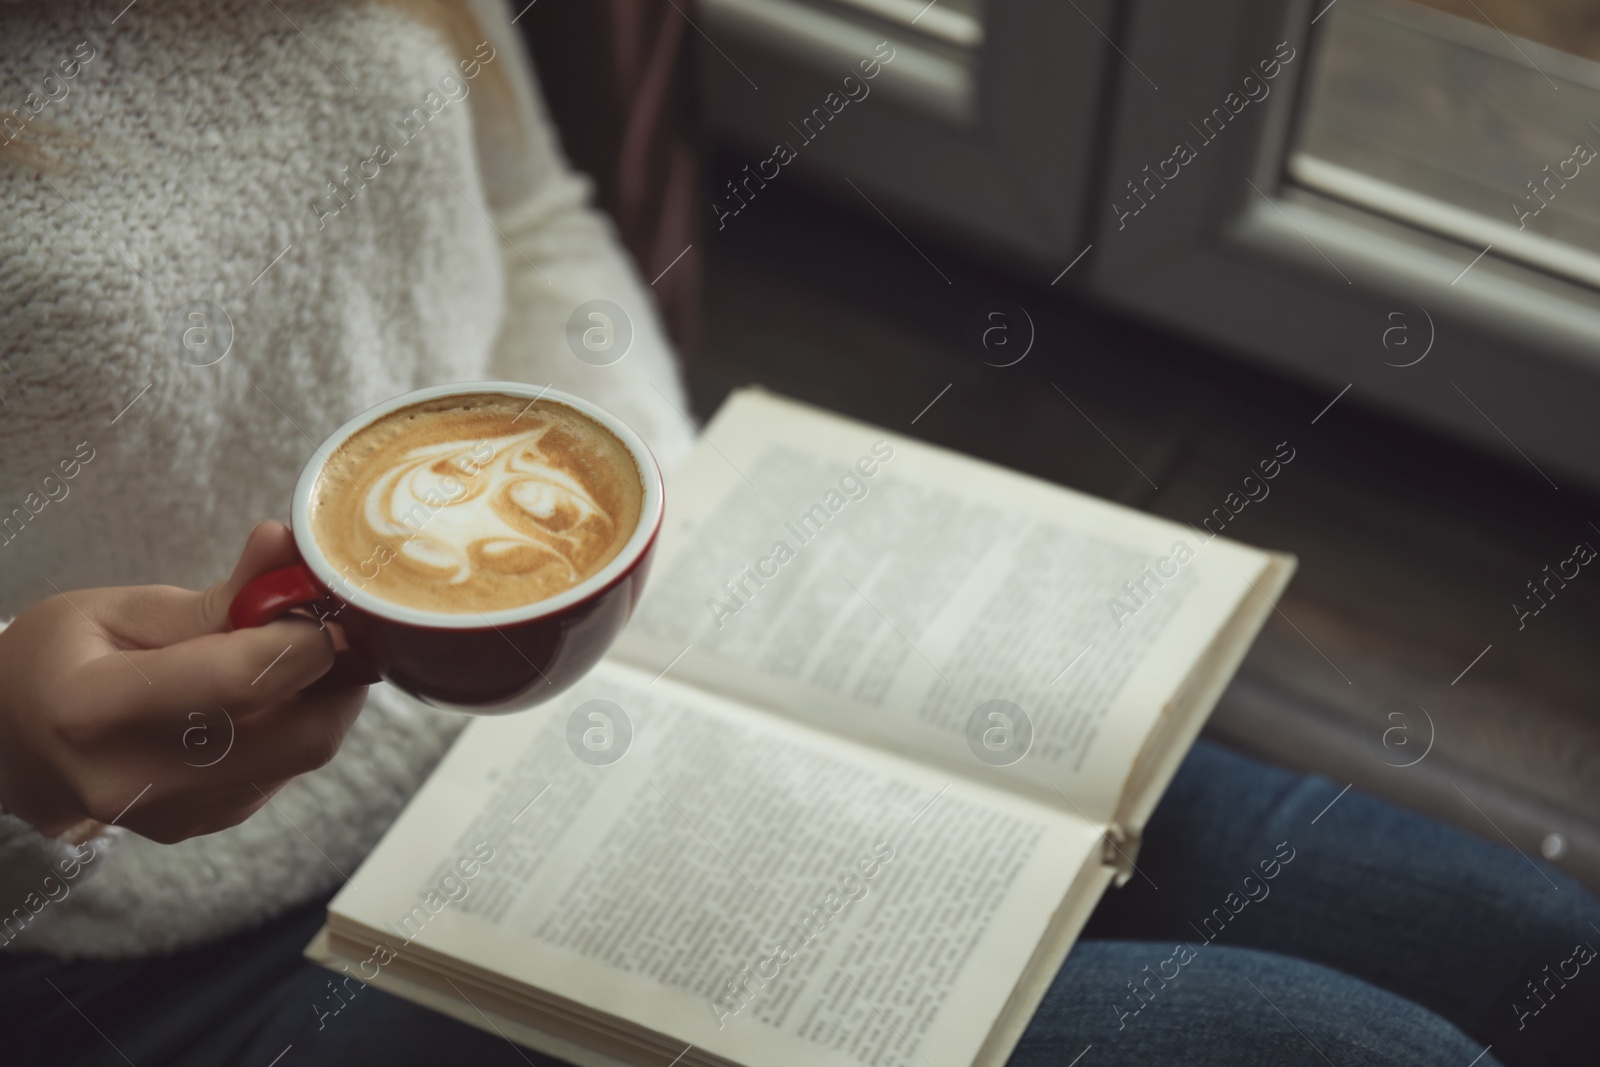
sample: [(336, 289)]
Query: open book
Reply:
[(886, 724)]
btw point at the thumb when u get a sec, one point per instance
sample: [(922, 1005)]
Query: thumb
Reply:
[(269, 546)]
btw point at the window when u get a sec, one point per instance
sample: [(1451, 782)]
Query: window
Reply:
[(980, 126), (1458, 126)]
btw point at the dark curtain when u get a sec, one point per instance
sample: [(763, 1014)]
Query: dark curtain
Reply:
[(617, 77)]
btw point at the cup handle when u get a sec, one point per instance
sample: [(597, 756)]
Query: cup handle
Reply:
[(270, 595)]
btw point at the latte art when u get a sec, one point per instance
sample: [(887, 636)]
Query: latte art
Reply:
[(476, 503), (452, 512)]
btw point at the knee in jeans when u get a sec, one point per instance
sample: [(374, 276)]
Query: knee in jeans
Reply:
[(1228, 1000)]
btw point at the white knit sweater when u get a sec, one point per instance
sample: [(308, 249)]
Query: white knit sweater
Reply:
[(196, 140)]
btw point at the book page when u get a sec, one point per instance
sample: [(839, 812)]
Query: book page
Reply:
[(992, 624), (734, 881)]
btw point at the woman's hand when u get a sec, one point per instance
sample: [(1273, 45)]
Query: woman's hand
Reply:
[(106, 694)]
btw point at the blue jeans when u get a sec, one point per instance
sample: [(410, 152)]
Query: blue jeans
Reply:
[(1262, 929), (1387, 939)]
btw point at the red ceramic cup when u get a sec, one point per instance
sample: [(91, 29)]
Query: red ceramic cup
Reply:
[(486, 663)]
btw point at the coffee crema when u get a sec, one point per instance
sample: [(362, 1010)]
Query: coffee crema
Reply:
[(475, 503)]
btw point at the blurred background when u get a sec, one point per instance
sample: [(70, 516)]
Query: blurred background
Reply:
[(1368, 228)]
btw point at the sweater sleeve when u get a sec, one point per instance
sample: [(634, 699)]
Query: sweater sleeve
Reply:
[(38, 871), (560, 253)]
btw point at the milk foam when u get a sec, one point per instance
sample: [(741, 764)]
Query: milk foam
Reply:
[(462, 506), (476, 502)]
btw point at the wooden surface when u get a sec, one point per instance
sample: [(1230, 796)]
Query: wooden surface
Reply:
[(1412, 549)]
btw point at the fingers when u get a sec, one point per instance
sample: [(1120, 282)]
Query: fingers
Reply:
[(294, 737), (269, 546), (141, 616), (351, 670), (269, 748), (240, 672), (151, 616), (159, 796)]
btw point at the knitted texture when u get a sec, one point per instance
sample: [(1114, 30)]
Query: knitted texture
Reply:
[(189, 159)]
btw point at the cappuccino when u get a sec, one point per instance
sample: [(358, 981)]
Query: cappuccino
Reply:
[(475, 503)]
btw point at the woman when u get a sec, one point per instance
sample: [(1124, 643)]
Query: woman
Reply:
[(230, 225), (369, 199)]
